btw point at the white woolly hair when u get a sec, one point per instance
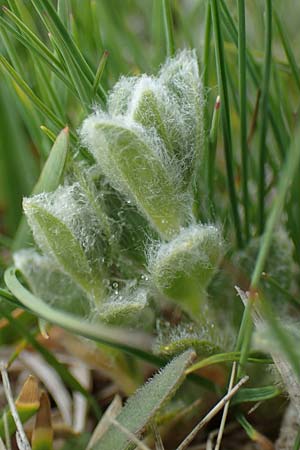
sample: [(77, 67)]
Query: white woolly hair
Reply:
[(99, 144), (195, 242), (46, 280), (180, 76), (176, 139), (180, 98), (120, 96), (70, 205)]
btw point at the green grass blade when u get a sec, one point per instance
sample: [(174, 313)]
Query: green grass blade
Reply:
[(280, 133), (48, 181), (226, 123), (288, 49), (243, 111), (168, 27), (225, 357), (287, 175), (264, 117), (115, 337), (46, 10), (100, 70), (30, 94), (259, 394)]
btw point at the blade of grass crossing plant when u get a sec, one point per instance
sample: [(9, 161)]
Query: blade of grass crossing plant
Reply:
[(225, 357), (42, 435), (145, 403), (168, 27), (264, 115), (120, 338), (243, 110), (48, 181), (225, 112), (287, 175), (27, 404), (61, 369), (112, 337)]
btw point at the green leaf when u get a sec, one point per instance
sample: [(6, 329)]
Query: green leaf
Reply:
[(225, 357), (57, 239), (116, 337), (48, 181), (255, 394), (124, 306), (182, 268), (145, 403), (134, 167)]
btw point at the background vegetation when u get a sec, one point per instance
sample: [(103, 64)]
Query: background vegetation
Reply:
[(56, 64)]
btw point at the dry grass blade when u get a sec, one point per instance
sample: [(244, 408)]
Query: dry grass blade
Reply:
[(80, 405), (140, 445), (112, 411), (226, 408), (158, 440), (211, 414), (52, 382), (21, 433)]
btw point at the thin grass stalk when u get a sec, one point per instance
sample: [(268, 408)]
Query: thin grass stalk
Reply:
[(243, 111), (225, 112), (287, 176), (280, 133), (264, 116), (288, 49), (168, 27)]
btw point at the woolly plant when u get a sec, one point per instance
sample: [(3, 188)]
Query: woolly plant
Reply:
[(119, 239)]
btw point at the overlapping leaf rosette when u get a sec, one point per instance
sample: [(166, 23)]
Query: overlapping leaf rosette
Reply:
[(119, 241)]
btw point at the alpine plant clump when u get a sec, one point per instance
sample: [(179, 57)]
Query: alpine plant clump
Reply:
[(119, 241)]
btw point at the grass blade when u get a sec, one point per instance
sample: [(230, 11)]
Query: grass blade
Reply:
[(225, 113), (48, 181), (168, 27), (264, 116), (243, 111)]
